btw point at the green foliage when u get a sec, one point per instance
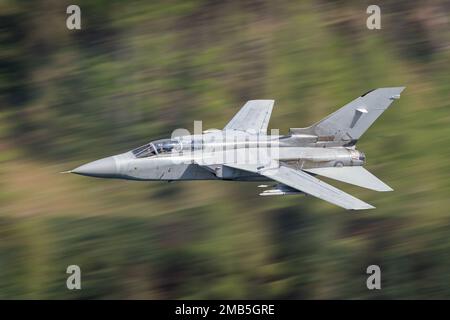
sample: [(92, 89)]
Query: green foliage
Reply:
[(138, 70)]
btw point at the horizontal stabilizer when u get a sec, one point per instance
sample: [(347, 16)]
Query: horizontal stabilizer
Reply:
[(353, 175)]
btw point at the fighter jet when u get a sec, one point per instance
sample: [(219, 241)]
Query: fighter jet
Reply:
[(244, 151)]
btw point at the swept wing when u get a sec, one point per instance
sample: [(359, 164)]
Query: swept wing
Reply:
[(306, 183), (253, 117)]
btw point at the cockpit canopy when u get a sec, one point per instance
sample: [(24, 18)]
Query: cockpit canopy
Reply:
[(157, 147)]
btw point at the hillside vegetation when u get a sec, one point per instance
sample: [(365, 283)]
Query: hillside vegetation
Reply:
[(137, 70)]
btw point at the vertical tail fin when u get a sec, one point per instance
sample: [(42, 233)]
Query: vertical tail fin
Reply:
[(349, 123)]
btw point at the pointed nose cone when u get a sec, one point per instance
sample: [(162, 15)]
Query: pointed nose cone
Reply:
[(103, 168)]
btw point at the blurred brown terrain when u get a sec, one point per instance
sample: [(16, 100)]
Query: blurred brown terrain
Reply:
[(140, 69)]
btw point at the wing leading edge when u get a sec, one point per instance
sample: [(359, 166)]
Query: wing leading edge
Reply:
[(253, 117), (306, 183)]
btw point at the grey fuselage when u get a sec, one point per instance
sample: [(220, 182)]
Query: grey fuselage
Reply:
[(204, 157)]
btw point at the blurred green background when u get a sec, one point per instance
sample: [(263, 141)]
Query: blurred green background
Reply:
[(139, 69)]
